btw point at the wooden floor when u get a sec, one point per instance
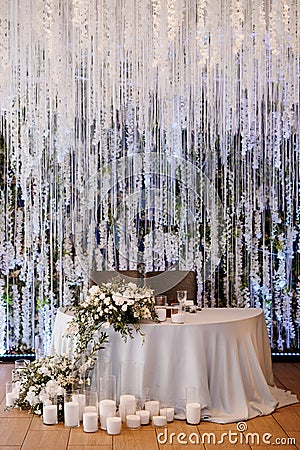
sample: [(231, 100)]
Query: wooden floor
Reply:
[(18, 430)]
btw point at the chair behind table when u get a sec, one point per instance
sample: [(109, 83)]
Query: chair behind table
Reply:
[(170, 281)]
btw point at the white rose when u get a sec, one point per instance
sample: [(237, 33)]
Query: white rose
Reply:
[(94, 290)]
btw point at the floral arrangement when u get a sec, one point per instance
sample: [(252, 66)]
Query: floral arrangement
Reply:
[(42, 379), (118, 304)]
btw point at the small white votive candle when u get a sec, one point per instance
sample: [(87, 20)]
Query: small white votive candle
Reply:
[(50, 414), (107, 408), (133, 421), (71, 414), (178, 318), (193, 413), (113, 425), (161, 314), (153, 407), (90, 422), (168, 412), (145, 416), (10, 398), (127, 406), (159, 421)]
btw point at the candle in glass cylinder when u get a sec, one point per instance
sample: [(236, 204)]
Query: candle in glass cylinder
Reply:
[(133, 421), (90, 422), (159, 421), (153, 407), (10, 398), (127, 406), (71, 414), (145, 416), (193, 413), (50, 414), (113, 425), (107, 408), (80, 398), (168, 412)]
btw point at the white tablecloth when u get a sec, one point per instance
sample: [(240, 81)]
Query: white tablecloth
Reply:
[(225, 353)]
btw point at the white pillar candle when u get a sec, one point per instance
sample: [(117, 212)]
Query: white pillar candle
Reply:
[(113, 425), (133, 421), (90, 422), (49, 414), (159, 421), (153, 407), (80, 398), (71, 414), (127, 406), (107, 408), (10, 398), (168, 412), (193, 413), (145, 416), (89, 409)]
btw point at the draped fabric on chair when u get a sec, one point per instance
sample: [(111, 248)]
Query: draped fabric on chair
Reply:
[(169, 282), (98, 277)]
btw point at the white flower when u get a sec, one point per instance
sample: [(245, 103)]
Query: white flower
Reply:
[(105, 325), (132, 286), (94, 290), (118, 299), (124, 307), (44, 371)]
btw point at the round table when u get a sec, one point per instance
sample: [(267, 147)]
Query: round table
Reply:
[(223, 354)]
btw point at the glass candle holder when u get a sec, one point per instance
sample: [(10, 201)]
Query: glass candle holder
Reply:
[(114, 425), (21, 363), (50, 411), (71, 409), (11, 394)]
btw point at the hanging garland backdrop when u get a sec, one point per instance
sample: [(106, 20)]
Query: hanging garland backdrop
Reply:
[(149, 135)]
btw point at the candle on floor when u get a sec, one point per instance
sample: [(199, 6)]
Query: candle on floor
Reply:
[(50, 414), (193, 413), (168, 412), (133, 421), (10, 398), (71, 414), (145, 416), (107, 408), (159, 421), (153, 407), (113, 425), (80, 398), (127, 406), (90, 422)]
